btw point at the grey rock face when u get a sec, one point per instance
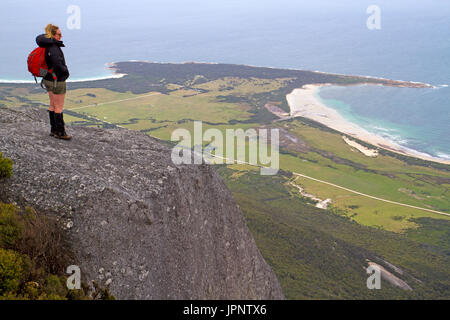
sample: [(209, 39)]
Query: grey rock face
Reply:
[(139, 224)]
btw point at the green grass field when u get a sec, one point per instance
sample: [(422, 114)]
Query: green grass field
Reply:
[(328, 157)]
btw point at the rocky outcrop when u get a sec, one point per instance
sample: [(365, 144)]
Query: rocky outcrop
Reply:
[(137, 223), (390, 277)]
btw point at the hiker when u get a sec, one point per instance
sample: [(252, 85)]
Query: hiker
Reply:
[(54, 57)]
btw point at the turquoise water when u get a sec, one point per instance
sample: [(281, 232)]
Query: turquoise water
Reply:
[(414, 118), (413, 44)]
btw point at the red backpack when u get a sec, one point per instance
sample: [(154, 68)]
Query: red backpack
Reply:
[(37, 65)]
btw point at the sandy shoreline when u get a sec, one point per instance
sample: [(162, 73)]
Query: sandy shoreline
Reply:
[(302, 102)]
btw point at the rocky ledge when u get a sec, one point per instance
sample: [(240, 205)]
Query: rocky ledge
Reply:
[(137, 223)]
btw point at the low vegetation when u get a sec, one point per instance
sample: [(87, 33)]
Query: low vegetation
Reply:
[(34, 255), (318, 255)]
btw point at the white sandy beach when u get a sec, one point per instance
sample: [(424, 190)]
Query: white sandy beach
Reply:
[(302, 102), (366, 151)]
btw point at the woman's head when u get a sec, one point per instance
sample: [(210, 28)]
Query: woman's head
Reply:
[(52, 31)]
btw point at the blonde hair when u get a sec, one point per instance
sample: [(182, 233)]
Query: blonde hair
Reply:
[(50, 30)]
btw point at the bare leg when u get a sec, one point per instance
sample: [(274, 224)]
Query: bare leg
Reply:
[(59, 102), (52, 101)]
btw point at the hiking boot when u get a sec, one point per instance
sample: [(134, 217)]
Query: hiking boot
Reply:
[(63, 135), (60, 130), (51, 115)]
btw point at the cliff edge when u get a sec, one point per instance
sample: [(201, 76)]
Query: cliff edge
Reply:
[(137, 223)]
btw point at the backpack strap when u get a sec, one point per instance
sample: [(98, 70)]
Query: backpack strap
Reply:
[(54, 79)]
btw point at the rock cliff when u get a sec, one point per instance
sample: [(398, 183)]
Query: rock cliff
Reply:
[(137, 223)]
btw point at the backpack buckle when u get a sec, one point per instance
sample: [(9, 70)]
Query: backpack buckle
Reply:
[(54, 80)]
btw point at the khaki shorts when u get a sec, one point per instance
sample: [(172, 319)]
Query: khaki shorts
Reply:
[(59, 89)]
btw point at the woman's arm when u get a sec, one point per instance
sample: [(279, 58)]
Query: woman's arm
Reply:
[(57, 61)]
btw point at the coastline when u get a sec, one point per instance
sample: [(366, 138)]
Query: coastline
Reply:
[(388, 82), (110, 66), (303, 102)]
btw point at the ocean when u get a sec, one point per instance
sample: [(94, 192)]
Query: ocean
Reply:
[(412, 44)]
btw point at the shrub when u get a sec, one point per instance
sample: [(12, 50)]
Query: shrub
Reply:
[(54, 288), (43, 241), (101, 293), (11, 227), (34, 254), (14, 268), (5, 167)]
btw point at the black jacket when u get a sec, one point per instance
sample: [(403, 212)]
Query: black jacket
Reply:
[(54, 57)]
